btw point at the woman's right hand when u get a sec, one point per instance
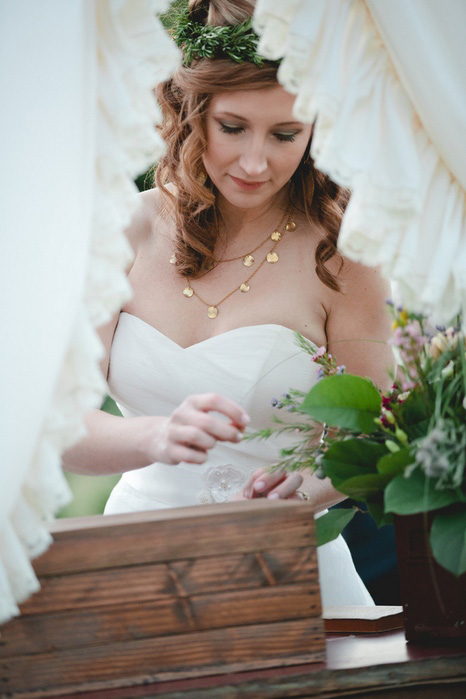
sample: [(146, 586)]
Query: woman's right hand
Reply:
[(191, 430)]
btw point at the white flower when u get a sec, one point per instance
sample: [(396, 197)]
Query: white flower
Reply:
[(448, 370)]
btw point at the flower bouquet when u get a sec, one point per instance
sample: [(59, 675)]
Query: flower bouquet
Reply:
[(403, 452)]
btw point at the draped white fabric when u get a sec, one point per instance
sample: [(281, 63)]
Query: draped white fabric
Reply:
[(77, 124), (385, 84)]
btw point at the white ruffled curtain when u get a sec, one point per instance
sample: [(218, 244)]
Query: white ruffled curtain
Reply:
[(384, 81), (77, 122)]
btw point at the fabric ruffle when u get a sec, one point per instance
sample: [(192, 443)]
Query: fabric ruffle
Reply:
[(407, 212), (133, 53)]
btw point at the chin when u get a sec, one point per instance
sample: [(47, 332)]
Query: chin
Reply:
[(246, 200)]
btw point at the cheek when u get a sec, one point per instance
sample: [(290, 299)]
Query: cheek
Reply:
[(293, 156), (220, 151)]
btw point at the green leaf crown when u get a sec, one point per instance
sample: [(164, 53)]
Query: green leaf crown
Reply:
[(238, 42)]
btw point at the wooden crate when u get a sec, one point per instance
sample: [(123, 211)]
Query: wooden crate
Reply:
[(154, 596)]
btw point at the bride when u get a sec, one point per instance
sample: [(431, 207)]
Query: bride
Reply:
[(234, 250)]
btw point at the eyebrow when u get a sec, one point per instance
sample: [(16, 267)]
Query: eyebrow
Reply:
[(241, 118)]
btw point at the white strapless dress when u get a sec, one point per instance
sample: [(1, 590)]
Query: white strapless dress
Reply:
[(150, 374)]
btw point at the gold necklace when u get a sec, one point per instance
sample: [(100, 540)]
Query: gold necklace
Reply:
[(248, 259), (271, 258)]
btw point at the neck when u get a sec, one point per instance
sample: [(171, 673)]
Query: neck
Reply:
[(236, 223)]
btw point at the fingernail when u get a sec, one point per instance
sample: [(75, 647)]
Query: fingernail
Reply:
[(245, 419), (273, 496), (260, 485), (238, 437)]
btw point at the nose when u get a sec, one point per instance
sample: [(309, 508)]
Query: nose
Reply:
[(253, 159)]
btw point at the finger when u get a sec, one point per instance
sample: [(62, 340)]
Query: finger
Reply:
[(265, 483), (213, 401), (214, 426), (179, 453), (191, 436), (248, 490), (289, 487)]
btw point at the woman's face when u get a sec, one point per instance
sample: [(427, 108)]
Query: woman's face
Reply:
[(254, 144)]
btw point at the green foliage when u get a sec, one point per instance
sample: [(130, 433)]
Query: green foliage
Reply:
[(448, 540), (415, 493), (345, 401), (236, 42), (395, 462), (331, 524)]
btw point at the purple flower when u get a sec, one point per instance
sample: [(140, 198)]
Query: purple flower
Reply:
[(341, 369)]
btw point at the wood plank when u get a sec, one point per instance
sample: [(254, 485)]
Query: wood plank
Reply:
[(72, 629), (206, 652), (178, 578), (182, 533)]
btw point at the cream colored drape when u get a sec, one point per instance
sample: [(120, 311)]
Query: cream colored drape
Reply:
[(385, 82), (76, 126)]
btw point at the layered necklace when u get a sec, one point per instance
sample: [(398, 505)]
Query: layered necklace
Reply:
[(248, 259)]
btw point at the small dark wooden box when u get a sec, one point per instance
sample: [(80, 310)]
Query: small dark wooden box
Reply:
[(153, 596)]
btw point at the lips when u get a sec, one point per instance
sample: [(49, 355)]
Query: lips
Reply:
[(244, 184)]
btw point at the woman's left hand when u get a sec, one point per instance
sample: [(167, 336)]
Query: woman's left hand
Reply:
[(277, 485)]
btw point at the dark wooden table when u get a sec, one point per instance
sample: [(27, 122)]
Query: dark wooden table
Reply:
[(363, 665)]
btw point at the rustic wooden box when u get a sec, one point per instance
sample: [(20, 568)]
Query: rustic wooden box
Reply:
[(153, 596)]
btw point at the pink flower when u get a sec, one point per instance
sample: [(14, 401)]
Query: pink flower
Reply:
[(407, 385), (320, 352)]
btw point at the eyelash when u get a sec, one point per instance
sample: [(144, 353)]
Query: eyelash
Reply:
[(283, 138)]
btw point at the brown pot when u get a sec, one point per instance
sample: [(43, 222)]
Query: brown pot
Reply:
[(434, 600)]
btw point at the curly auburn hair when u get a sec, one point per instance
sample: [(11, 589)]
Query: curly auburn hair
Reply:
[(184, 100)]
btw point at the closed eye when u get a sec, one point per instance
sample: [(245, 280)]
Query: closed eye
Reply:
[(230, 128), (286, 136)]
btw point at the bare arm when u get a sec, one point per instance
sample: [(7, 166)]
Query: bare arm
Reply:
[(357, 328), (115, 444), (358, 324)]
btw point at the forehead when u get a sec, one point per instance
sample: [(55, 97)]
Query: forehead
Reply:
[(271, 105)]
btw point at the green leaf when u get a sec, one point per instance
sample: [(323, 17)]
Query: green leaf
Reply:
[(351, 457), (375, 508), (364, 486), (331, 524), (448, 541), (415, 416), (394, 463), (344, 401), (408, 496)]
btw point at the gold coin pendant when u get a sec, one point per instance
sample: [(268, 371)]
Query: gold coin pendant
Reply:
[(188, 292), (276, 235), (248, 260), (173, 260), (290, 226), (272, 257), (244, 287), (212, 311)]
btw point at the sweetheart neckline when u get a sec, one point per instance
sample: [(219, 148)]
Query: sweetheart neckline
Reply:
[(208, 339)]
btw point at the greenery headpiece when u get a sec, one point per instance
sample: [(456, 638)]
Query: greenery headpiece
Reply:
[(237, 42)]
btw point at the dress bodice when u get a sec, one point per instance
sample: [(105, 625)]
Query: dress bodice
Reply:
[(150, 374)]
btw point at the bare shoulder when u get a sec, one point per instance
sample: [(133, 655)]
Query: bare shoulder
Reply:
[(361, 287), (358, 323), (151, 211)]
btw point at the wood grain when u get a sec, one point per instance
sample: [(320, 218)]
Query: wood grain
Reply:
[(188, 655), (152, 537), (111, 586), (39, 633), (165, 595)]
